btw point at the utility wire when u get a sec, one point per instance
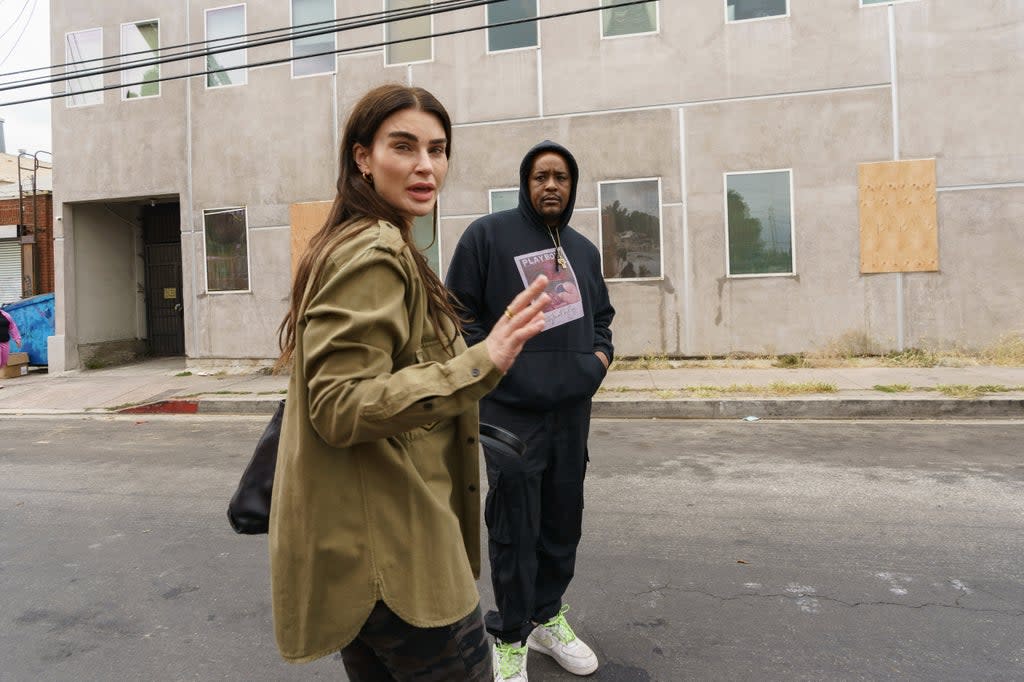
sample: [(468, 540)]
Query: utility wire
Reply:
[(20, 35), (241, 40), (15, 22), (224, 45), (360, 48)]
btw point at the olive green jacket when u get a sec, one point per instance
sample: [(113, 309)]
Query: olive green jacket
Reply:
[(375, 495)]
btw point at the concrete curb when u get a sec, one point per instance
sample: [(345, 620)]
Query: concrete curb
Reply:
[(692, 408), (812, 408), (735, 408)]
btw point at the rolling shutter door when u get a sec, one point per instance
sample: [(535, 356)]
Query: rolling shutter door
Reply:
[(10, 271)]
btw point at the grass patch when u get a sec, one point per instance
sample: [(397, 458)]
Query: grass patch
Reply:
[(790, 361), (966, 391), (95, 363), (651, 361), (618, 389), (788, 388), (710, 391), (666, 395), (186, 373), (911, 357), (892, 388), (847, 346), (960, 391), (782, 388), (281, 392), (1008, 351)]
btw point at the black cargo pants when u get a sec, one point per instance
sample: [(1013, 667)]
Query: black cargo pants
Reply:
[(534, 514)]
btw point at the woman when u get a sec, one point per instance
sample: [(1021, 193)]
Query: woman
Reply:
[(374, 527)]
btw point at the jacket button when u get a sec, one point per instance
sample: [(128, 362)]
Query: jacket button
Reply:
[(472, 488), (475, 372)]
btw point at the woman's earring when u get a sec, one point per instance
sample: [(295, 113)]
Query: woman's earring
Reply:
[(368, 177)]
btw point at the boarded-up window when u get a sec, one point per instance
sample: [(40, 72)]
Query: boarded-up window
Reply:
[(307, 218), (898, 217)]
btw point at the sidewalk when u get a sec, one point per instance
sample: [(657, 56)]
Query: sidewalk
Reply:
[(165, 386)]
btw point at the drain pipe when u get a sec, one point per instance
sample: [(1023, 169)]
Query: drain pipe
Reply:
[(893, 77)]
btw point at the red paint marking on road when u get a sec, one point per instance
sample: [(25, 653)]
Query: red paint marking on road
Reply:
[(164, 407)]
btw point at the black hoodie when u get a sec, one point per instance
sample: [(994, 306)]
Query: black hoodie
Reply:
[(496, 252)]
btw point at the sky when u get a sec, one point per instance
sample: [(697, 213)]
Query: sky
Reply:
[(25, 44)]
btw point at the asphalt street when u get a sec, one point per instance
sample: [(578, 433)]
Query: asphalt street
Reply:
[(713, 550)]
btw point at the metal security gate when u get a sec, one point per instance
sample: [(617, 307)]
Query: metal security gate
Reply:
[(10, 271), (165, 309)]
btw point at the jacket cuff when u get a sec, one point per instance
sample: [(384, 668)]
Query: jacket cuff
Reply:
[(474, 366)]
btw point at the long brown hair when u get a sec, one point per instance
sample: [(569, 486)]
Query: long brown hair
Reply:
[(357, 206)]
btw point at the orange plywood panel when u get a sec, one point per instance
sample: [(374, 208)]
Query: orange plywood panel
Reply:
[(898, 217), (307, 218)]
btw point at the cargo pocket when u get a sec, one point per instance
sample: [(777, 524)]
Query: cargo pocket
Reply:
[(496, 513)]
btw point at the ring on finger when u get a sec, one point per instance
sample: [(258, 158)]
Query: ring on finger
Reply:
[(509, 313)]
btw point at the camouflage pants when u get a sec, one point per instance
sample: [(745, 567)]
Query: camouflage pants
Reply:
[(388, 648)]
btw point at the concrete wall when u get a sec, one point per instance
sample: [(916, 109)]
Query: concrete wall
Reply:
[(813, 92), (109, 275), (120, 148)]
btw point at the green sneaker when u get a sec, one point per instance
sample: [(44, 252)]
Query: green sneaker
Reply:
[(556, 639), (509, 662)]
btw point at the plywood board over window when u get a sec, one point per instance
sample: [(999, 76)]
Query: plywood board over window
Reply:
[(898, 217), (307, 218)]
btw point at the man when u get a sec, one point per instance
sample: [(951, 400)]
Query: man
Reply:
[(534, 507)]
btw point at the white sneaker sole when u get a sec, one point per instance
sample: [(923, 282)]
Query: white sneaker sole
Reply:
[(586, 670)]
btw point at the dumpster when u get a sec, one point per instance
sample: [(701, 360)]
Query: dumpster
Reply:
[(34, 317)]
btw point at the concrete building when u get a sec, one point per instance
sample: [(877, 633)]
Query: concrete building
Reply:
[(722, 146)]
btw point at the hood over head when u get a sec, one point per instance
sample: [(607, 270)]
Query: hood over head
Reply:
[(525, 204)]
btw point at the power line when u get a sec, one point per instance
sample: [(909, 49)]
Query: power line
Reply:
[(242, 39), (20, 35), (369, 46), (224, 45), (388, 16), (15, 22)]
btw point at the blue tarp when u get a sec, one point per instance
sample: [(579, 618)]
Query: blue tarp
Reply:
[(34, 317)]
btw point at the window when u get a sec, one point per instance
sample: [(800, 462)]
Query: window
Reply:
[(513, 36), (503, 199), (741, 10), (79, 47), (427, 240), (414, 50), (310, 12), (140, 41), (759, 214), (225, 26), (629, 20), (631, 228), (227, 249)]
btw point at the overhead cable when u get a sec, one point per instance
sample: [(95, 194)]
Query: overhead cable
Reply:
[(360, 48), (242, 41)]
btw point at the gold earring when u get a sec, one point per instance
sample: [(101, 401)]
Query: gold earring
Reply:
[(368, 177)]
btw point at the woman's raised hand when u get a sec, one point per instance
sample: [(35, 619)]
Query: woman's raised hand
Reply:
[(521, 321)]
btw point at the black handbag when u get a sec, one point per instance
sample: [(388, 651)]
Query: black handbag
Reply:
[(505, 442), (249, 508)]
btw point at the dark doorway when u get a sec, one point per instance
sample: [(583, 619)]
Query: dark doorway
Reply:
[(165, 309)]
